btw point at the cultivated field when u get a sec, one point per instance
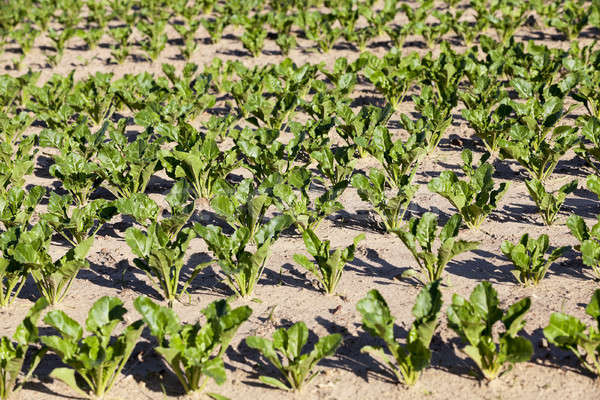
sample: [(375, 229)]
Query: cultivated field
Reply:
[(214, 166)]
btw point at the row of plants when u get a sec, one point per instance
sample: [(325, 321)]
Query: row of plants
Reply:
[(160, 245), (194, 352), (323, 23)]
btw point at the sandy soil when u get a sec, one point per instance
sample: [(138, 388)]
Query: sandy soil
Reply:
[(287, 294)]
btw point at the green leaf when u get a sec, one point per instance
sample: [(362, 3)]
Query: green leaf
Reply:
[(162, 321), (67, 326), (216, 396), (273, 382), (103, 312), (67, 375)]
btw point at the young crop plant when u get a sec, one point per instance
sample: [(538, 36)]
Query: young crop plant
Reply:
[(314, 134), (528, 259), (95, 98), (242, 265), (263, 154), (189, 92), (48, 102), (474, 321), (358, 129), (435, 119), (76, 224), (160, 254), (255, 34), (587, 91), (539, 158), (589, 148), (431, 33), (282, 24), (419, 236), (291, 196), (194, 352), (91, 36), (59, 38), (336, 165), (400, 159), (408, 360), (343, 76), (12, 127), (121, 49), (187, 32), (273, 114), (328, 265), (140, 207), (589, 242), (393, 75), (440, 79), (52, 278), (126, 167), (16, 161), (474, 199), (416, 17), (97, 359), (568, 332), (13, 352), (536, 141), (391, 207), (25, 37), (549, 204), (242, 205), (77, 138), (378, 19), (570, 19), (155, 38), (215, 26), (13, 274), (77, 175), (17, 205), (202, 166), (251, 82), (286, 352), (506, 17), (319, 27), (484, 108)]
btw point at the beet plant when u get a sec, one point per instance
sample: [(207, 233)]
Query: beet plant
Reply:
[(291, 196), (17, 206), (528, 259), (589, 242), (16, 162), (14, 352), (329, 264), (419, 237), (568, 332), (194, 352), (97, 359), (286, 352), (53, 278), (202, 166), (409, 360), (549, 204), (76, 224), (160, 254), (474, 199), (393, 75), (241, 264), (474, 319)]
